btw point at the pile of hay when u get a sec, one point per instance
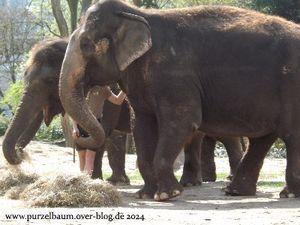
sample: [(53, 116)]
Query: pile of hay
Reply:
[(14, 181), (61, 190), (57, 190)]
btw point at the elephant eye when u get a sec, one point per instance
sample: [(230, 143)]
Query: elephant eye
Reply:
[(93, 17)]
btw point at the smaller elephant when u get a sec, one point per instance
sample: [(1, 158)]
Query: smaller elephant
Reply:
[(199, 164), (41, 101)]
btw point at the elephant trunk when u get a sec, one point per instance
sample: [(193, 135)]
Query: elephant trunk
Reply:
[(87, 142), (29, 133), (23, 127), (72, 94)]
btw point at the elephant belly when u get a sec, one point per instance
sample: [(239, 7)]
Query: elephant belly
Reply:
[(238, 127)]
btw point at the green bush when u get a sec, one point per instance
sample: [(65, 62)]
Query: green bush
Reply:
[(4, 122), (12, 96), (9, 103), (52, 133)]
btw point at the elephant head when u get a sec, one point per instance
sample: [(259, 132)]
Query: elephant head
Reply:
[(40, 99), (107, 48)]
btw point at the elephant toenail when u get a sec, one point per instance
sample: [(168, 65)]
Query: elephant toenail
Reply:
[(161, 197), (164, 196)]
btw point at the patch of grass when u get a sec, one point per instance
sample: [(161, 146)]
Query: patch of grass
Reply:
[(222, 176), (133, 176), (271, 176), (265, 177), (270, 184)]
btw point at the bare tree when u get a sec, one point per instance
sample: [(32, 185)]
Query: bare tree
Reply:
[(16, 38)]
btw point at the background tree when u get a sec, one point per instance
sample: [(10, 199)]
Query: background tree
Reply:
[(17, 35), (289, 9), (157, 4)]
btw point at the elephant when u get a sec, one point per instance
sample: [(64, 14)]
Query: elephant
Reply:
[(41, 76), (222, 70), (40, 100)]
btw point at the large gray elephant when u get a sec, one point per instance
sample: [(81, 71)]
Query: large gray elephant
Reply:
[(40, 100), (222, 70), (42, 87)]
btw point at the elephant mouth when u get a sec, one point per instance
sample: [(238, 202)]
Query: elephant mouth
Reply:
[(46, 115), (49, 113)]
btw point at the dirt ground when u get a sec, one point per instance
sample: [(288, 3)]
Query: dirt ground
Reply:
[(205, 204)]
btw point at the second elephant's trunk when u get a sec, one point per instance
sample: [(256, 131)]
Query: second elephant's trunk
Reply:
[(23, 127)]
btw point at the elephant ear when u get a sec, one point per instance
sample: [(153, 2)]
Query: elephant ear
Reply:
[(131, 40)]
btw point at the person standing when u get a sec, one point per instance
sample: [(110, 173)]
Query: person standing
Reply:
[(95, 99)]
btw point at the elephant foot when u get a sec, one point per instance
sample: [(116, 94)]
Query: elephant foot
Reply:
[(286, 193), (147, 192), (209, 176), (164, 194), (239, 190), (209, 173), (188, 181), (119, 180), (96, 175)]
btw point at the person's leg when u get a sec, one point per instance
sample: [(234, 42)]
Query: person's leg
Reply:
[(89, 161), (81, 155)]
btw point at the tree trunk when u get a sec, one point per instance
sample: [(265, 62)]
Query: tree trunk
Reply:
[(59, 17), (84, 6), (73, 5)]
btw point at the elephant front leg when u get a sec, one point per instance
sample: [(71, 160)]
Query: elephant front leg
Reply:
[(172, 137), (192, 162), (292, 176), (145, 137), (245, 179)]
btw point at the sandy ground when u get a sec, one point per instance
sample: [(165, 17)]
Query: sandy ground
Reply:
[(205, 204)]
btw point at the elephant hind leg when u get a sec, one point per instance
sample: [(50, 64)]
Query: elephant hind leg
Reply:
[(234, 152), (292, 188), (245, 179), (208, 165), (192, 162)]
